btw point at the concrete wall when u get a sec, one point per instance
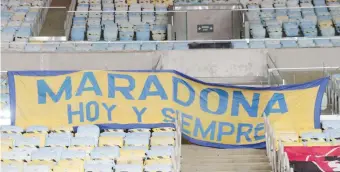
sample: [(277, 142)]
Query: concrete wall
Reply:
[(224, 65), (305, 57)]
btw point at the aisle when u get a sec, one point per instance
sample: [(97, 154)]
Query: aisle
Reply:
[(54, 23)]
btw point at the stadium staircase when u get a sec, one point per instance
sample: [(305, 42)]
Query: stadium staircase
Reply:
[(203, 159), (55, 18)]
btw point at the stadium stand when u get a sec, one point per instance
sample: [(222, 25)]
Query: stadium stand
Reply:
[(295, 149), (120, 20), (90, 149), (21, 20)]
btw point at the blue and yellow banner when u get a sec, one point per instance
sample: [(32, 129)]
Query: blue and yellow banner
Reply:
[(214, 115)]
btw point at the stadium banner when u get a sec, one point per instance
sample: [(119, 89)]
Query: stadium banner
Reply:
[(214, 115), (313, 153)]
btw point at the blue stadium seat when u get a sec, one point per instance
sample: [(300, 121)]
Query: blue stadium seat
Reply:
[(105, 153), (10, 129)]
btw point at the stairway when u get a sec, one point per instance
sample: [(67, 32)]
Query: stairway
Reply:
[(55, 18), (204, 159)]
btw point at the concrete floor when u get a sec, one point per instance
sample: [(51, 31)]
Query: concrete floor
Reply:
[(54, 23)]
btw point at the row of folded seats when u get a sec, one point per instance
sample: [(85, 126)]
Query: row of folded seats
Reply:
[(286, 43), (95, 47), (20, 19), (293, 18), (195, 2), (123, 20), (328, 135), (38, 149)]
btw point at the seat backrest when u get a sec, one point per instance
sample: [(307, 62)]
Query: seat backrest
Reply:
[(130, 152), (105, 153), (139, 130), (129, 167), (103, 166), (58, 141), (111, 141), (48, 154), (37, 129), (165, 133), (83, 142), (37, 168), (162, 141), (158, 168), (69, 165), (73, 155), (313, 137), (88, 131), (10, 129), (12, 166), (62, 130), (40, 136), (19, 156), (27, 142), (160, 152), (137, 141)]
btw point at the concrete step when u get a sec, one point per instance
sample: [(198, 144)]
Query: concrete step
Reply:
[(220, 152), (226, 167), (232, 159), (205, 159)]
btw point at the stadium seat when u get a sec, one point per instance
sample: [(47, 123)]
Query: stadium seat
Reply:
[(88, 131), (130, 153), (41, 136), (47, 154), (83, 143), (12, 167), (37, 129), (129, 167), (15, 155), (313, 137), (330, 124), (37, 168), (58, 141), (73, 155), (113, 134), (76, 165), (157, 152), (111, 141), (10, 129), (162, 141), (105, 153), (102, 166), (28, 142)]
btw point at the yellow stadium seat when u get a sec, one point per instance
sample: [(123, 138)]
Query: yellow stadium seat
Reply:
[(319, 144), (302, 131), (18, 164), (132, 153), (8, 142), (130, 160), (292, 144), (51, 164), (158, 161), (5, 148), (83, 148), (62, 129), (69, 166), (111, 141), (162, 141), (163, 129), (41, 136)]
